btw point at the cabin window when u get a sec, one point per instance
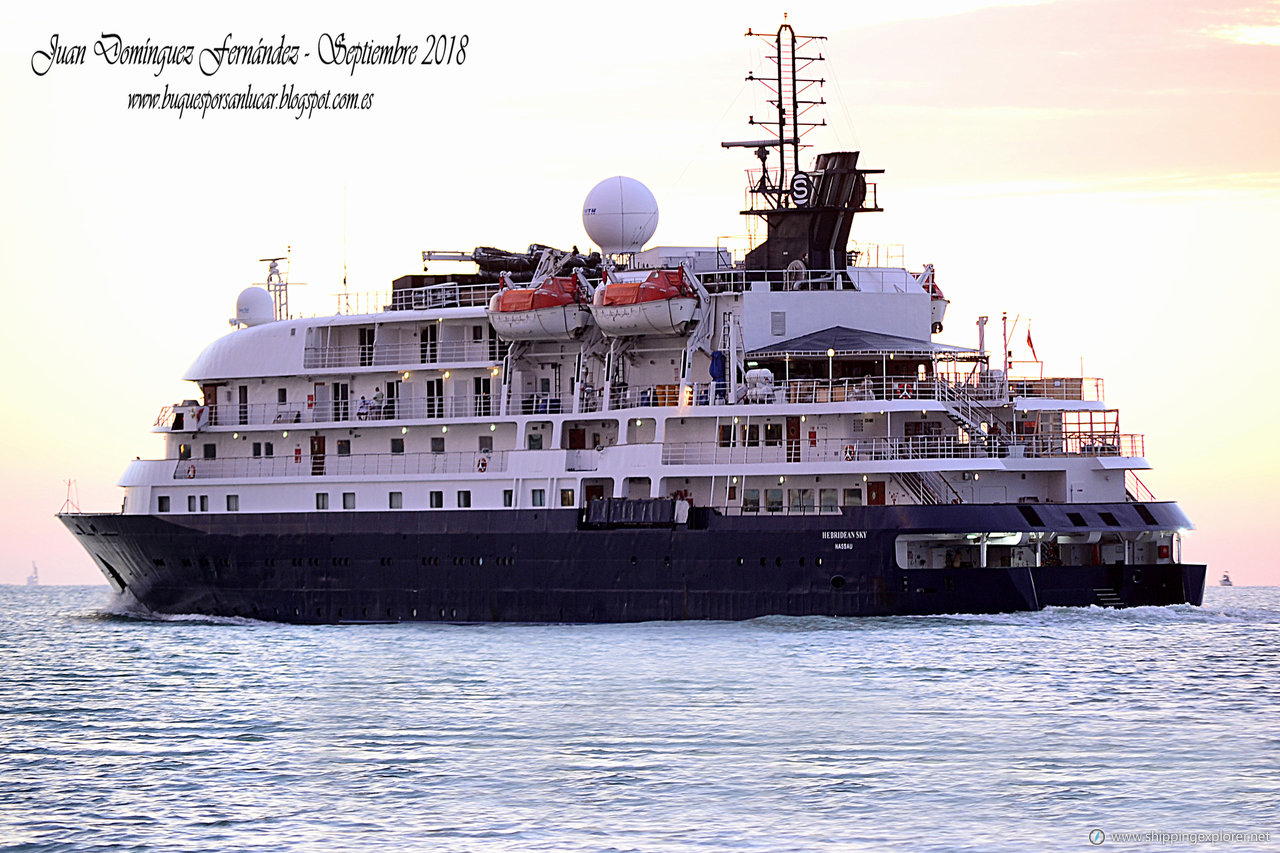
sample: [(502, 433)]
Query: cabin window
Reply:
[(751, 435), (436, 500), (162, 503), (344, 447), (539, 497), (464, 498), (750, 500), (191, 503), (535, 441), (773, 500), (233, 503), (268, 449), (800, 500), (282, 396), (437, 444), (257, 448), (322, 500), (397, 445), (777, 323), (772, 435), (395, 500), (853, 497), (184, 451), (211, 451), (566, 497), (204, 503), (828, 500), (348, 500), (477, 333), (508, 497), (726, 435), (485, 443)]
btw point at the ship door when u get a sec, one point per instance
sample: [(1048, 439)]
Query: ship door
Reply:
[(210, 394), (429, 343), (434, 393), (593, 492), (341, 401), (320, 403), (393, 394), (317, 455), (875, 493), (793, 439), (577, 439), (483, 387), (243, 399)]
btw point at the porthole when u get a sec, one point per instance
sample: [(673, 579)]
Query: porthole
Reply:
[(837, 581)]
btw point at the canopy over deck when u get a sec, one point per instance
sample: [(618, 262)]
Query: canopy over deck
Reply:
[(856, 342)]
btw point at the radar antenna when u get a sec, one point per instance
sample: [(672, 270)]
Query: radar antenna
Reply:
[(277, 282)]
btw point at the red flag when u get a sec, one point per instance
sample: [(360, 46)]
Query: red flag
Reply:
[(1032, 346)]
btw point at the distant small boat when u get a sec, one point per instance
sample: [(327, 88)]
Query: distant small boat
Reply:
[(1226, 580), (33, 579)]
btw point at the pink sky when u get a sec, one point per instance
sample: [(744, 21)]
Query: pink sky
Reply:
[(1108, 169)]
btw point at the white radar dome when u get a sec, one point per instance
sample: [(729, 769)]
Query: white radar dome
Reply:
[(620, 215), (254, 306)]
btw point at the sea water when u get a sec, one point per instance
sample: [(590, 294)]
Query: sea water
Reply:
[(1060, 730)]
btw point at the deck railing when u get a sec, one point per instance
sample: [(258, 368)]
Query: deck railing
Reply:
[(915, 447), (334, 465), (970, 401), (416, 353)]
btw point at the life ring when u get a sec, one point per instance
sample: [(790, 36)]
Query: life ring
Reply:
[(849, 453), (904, 390), (191, 472), (481, 464)]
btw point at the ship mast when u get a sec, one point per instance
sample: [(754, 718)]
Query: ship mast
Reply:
[(808, 214), (788, 90)]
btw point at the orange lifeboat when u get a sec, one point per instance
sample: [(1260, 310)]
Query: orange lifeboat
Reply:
[(555, 309), (661, 302)]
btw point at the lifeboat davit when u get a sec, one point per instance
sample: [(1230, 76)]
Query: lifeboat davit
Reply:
[(557, 309), (661, 303)]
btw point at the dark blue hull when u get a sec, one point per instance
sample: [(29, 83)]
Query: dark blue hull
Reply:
[(552, 566)]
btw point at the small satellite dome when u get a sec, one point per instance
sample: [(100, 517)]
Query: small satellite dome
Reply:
[(620, 215), (254, 306)]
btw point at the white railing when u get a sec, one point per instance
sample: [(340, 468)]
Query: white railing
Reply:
[(916, 447), (447, 295), (818, 391), (347, 411), (334, 465), (401, 355)]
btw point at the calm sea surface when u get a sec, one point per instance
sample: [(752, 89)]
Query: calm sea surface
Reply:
[(1019, 732)]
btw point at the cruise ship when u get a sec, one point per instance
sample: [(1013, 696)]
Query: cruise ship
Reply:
[(641, 433)]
